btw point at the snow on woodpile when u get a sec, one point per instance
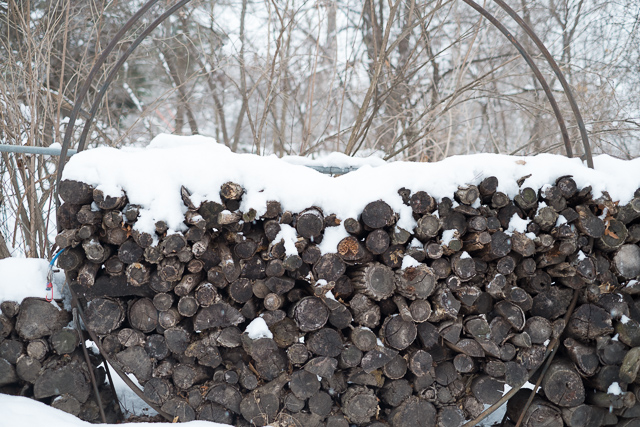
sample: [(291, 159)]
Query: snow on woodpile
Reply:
[(251, 290), (152, 177)]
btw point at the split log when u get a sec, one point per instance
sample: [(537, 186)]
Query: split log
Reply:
[(415, 282), (374, 280), (310, 314), (562, 385), (359, 405), (398, 333)]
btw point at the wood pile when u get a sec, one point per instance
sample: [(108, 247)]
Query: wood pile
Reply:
[(41, 357), (397, 327)]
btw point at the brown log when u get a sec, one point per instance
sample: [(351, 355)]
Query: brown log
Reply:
[(310, 314), (421, 363), (588, 223), (414, 411), (87, 273), (171, 269), (310, 223), (71, 259), (583, 415), (588, 322), (38, 318), (67, 238), (130, 337), (422, 203), (562, 385), (427, 227), (156, 346), (179, 409), (374, 280), (539, 329), (378, 214), (329, 267), (626, 261), (216, 315), (64, 341), (138, 274), (95, 252), (584, 357), (378, 241), (107, 202), (398, 333), (365, 312), (169, 318), (540, 412), (415, 282), (60, 378), (467, 195), (499, 247), (75, 192), (10, 308), (359, 405)]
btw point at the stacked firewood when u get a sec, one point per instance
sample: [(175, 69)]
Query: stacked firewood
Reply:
[(41, 357), (242, 319)]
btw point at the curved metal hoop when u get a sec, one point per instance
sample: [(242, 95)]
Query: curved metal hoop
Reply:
[(103, 57), (536, 71), (94, 71)]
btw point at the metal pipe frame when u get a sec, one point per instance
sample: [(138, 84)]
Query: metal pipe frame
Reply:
[(556, 69)]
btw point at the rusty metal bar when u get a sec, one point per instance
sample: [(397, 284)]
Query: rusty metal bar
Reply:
[(545, 86), (556, 69), (118, 65)]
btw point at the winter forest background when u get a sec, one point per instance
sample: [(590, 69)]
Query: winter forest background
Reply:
[(403, 80)]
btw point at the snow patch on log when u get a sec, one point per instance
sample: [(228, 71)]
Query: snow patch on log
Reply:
[(258, 329)]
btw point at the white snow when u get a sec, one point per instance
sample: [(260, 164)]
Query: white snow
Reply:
[(152, 178), (287, 234), (21, 411), (27, 277), (465, 255), (561, 220), (258, 329), (415, 243), (507, 387), (448, 236), (624, 319), (614, 389), (581, 256), (495, 417), (320, 283), (331, 238), (409, 261), (615, 337), (517, 224)]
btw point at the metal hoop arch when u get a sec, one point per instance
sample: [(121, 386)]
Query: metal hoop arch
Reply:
[(492, 19)]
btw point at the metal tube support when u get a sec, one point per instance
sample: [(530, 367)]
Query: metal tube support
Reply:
[(47, 151), (556, 69), (112, 74), (543, 82), (87, 84)]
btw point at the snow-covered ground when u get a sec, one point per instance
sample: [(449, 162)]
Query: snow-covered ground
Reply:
[(23, 412)]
